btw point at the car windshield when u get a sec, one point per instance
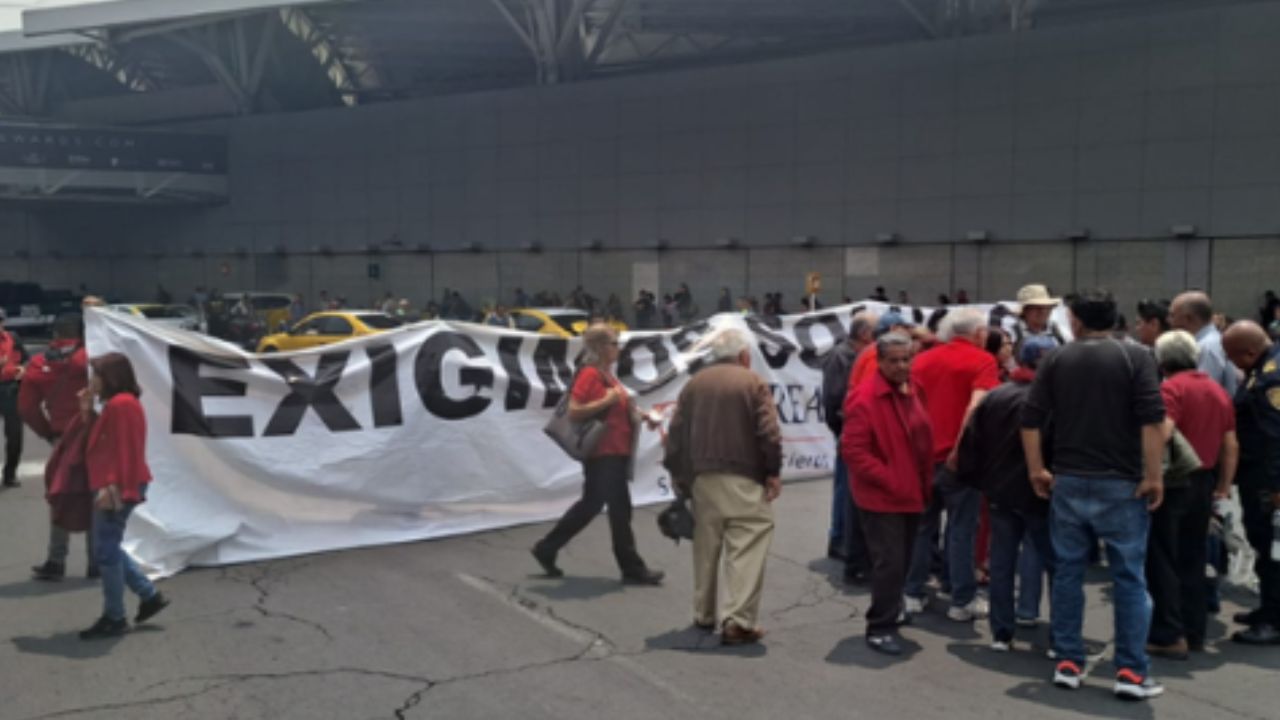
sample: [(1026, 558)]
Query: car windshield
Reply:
[(379, 322), (567, 319), (262, 302), (163, 312)]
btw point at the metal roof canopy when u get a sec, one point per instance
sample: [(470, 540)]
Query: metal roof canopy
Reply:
[(123, 13)]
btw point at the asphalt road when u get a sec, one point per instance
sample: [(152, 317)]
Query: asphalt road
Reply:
[(465, 628)]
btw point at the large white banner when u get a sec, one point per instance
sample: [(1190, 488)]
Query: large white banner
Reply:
[(430, 430)]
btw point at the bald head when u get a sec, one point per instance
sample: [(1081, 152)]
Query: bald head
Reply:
[(1244, 342), (1190, 311)]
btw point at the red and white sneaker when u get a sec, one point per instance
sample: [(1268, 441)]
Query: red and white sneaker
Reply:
[(1068, 675), (1132, 686)]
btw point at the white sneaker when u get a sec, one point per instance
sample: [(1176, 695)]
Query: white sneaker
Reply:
[(975, 610), (913, 605), (1000, 646), (1131, 686)]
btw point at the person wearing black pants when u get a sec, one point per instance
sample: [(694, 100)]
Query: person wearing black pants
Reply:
[(596, 393), (890, 538), (13, 357), (1176, 556)]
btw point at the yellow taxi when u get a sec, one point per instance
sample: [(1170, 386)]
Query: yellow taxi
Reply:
[(330, 326), (560, 322)]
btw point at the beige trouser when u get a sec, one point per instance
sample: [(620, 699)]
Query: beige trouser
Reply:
[(730, 515)]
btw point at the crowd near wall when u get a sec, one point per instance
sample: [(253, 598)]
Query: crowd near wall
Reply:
[(979, 157)]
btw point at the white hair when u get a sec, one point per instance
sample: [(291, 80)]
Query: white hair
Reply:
[(723, 345), (891, 340), (961, 322), (1177, 350)]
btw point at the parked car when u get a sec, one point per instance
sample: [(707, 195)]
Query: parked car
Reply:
[(178, 317), (327, 327), (560, 322)]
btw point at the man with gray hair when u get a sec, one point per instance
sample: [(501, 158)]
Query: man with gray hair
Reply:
[(1193, 311), (1177, 543), (724, 449), (955, 377)]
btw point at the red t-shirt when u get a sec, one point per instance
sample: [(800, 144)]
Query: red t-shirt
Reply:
[(590, 387), (949, 374), (116, 452), (1201, 410)]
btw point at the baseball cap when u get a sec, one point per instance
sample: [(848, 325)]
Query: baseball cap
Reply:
[(888, 321), (1034, 348)]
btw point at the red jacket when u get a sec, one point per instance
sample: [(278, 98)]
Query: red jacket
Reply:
[(887, 443), (117, 449), (47, 398), (11, 357)]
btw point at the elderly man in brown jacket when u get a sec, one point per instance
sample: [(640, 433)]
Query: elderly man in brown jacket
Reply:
[(724, 449)]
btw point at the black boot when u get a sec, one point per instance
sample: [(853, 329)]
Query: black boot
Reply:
[(151, 607), (105, 628), (49, 571)]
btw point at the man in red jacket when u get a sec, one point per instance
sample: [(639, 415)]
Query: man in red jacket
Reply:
[(12, 358), (888, 443), (48, 401)]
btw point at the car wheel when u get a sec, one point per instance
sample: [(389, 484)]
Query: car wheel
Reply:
[(269, 349)]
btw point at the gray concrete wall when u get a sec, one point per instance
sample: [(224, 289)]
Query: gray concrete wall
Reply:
[(1125, 128)]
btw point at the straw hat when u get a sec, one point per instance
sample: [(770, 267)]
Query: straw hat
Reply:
[(1035, 296)]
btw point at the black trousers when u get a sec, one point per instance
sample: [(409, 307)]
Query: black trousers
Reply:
[(12, 429), (890, 538), (1176, 556), (605, 483), (1255, 500)]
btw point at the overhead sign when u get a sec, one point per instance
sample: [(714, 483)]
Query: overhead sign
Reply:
[(76, 148)]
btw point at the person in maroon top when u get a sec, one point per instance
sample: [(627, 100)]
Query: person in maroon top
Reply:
[(597, 393), (115, 457), (888, 444), (12, 358), (49, 402), (955, 376), (1200, 409)]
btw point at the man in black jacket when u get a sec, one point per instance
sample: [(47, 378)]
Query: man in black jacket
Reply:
[(991, 460), (845, 537)]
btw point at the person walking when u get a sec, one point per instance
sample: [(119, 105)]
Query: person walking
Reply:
[(1257, 405), (49, 402), (724, 448), (115, 458), (844, 539), (1177, 547), (955, 377), (13, 358), (991, 460), (1103, 397), (888, 444), (597, 393)]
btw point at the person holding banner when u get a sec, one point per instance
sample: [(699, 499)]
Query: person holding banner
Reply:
[(597, 393), (115, 457)]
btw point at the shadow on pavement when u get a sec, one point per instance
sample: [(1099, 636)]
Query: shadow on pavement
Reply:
[(696, 640), (36, 588), (66, 645), (853, 651), (1024, 663), (575, 588), (934, 620), (1093, 699)]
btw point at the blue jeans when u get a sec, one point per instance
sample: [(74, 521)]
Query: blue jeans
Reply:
[(118, 569), (1030, 579), (839, 503), (1105, 508), (1009, 530), (962, 504)]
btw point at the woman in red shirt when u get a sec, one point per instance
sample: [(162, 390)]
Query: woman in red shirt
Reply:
[(115, 457), (597, 393)]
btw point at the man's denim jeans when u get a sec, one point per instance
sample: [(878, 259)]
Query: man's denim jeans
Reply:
[(118, 569), (962, 504), (1031, 573), (1105, 508), (1009, 531)]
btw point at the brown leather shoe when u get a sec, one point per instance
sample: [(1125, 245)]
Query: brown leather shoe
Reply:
[(1175, 651), (735, 634)]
